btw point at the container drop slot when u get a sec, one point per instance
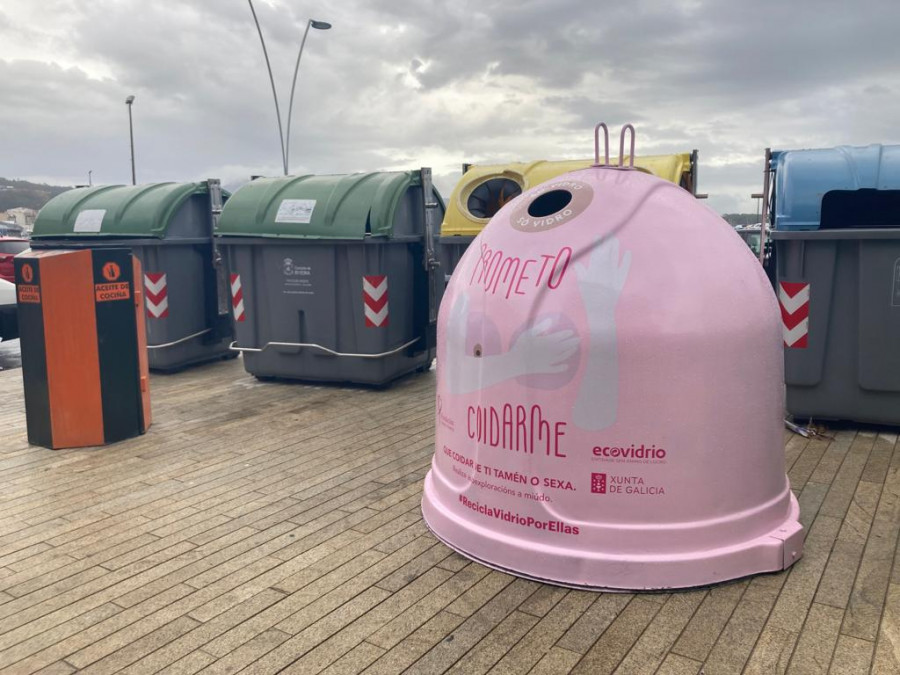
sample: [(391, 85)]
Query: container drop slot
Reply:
[(491, 196), (866, 208), (549, 203)]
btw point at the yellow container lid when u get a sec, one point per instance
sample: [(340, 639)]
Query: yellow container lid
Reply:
[(482, 190)]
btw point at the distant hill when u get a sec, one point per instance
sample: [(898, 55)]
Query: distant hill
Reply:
[(741, 218), (16, 193)]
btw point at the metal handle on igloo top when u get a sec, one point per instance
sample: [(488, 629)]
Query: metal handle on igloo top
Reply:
[(606, 164)]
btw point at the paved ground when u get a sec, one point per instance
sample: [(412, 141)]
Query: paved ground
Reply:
[(271, 527)]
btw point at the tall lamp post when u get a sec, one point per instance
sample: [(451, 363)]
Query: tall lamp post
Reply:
[(285, 143), (318, 25), (128, 102)]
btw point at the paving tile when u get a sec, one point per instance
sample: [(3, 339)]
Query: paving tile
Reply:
[(133, 650), (808, 460), (539, 641), (543, 600), (771, 654), (474, 598), (476, 627), (195, 639), (867, 598), (840, 572), (248, 654), (616, 641), (414, 568), (192, 663), (738, 638), (674, 664), (301, 548), (408, 651), (22, 650), (492, 647), (585, 631), (887, 647), (651, 648), (817, 640), (294, 648), (557, 661), (703, 629), (852, 656), (58, 668), (60, 648), (423, 610), (350, 636), (356, 660), (803, 577), (880, 458)]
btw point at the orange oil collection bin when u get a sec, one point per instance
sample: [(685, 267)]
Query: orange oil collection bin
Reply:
[(84, 355)]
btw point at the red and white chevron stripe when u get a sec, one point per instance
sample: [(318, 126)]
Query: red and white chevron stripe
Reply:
[(793, 297), (375, 300), (156, 295), (237, 298)]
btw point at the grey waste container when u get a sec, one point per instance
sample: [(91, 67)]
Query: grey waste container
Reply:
[(334, 278), (169, 227), (837, 259)]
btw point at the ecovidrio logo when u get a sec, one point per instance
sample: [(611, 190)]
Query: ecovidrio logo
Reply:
[(640, 453)]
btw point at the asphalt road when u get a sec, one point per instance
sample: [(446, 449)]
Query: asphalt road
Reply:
[(10, 357)]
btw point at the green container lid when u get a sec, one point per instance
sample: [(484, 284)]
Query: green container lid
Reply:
[(317, 207), (114, 210)]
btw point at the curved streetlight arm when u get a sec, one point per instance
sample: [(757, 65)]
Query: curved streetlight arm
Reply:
[(272, 80), (287, 147)]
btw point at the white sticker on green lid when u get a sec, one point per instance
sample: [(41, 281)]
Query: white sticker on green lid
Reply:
[(295, 211), (89, 220)]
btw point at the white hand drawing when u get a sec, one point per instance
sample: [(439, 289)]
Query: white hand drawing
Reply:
[(600, 282), (535, 352)]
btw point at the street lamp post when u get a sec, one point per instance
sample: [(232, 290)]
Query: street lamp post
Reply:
[(285, 143), (318, 25), (128, 102)]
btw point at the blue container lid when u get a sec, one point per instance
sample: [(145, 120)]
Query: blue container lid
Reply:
[(803, 177)]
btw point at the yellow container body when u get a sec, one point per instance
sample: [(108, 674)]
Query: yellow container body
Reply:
[(459, 220)]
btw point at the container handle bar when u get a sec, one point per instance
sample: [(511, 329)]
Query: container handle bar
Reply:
[(597, 144), (627, 127), (255, 350), (606, 164), (178, 342)]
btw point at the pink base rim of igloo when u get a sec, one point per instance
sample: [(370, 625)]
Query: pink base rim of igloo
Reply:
[(602, 571)]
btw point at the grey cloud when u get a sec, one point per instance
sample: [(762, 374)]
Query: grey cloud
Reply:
[(401, 83)]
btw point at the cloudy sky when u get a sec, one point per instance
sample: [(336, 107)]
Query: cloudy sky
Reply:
[(399, 84)]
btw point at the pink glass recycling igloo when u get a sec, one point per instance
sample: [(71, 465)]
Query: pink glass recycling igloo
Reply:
[(609, 393)]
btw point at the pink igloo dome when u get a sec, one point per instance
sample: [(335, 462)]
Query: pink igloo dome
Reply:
[(610, 393)]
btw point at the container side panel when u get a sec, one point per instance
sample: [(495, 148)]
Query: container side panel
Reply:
[(113, 271), (34, 356), (879, 315), (143, 360), (72, 351), (812, 263)]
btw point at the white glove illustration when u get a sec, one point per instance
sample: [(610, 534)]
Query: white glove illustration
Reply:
[(601, 281), (535, 352)]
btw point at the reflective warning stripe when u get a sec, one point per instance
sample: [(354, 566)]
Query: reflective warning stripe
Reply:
[(793, 298), (156, 295), (237, 298), (375, 300)]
